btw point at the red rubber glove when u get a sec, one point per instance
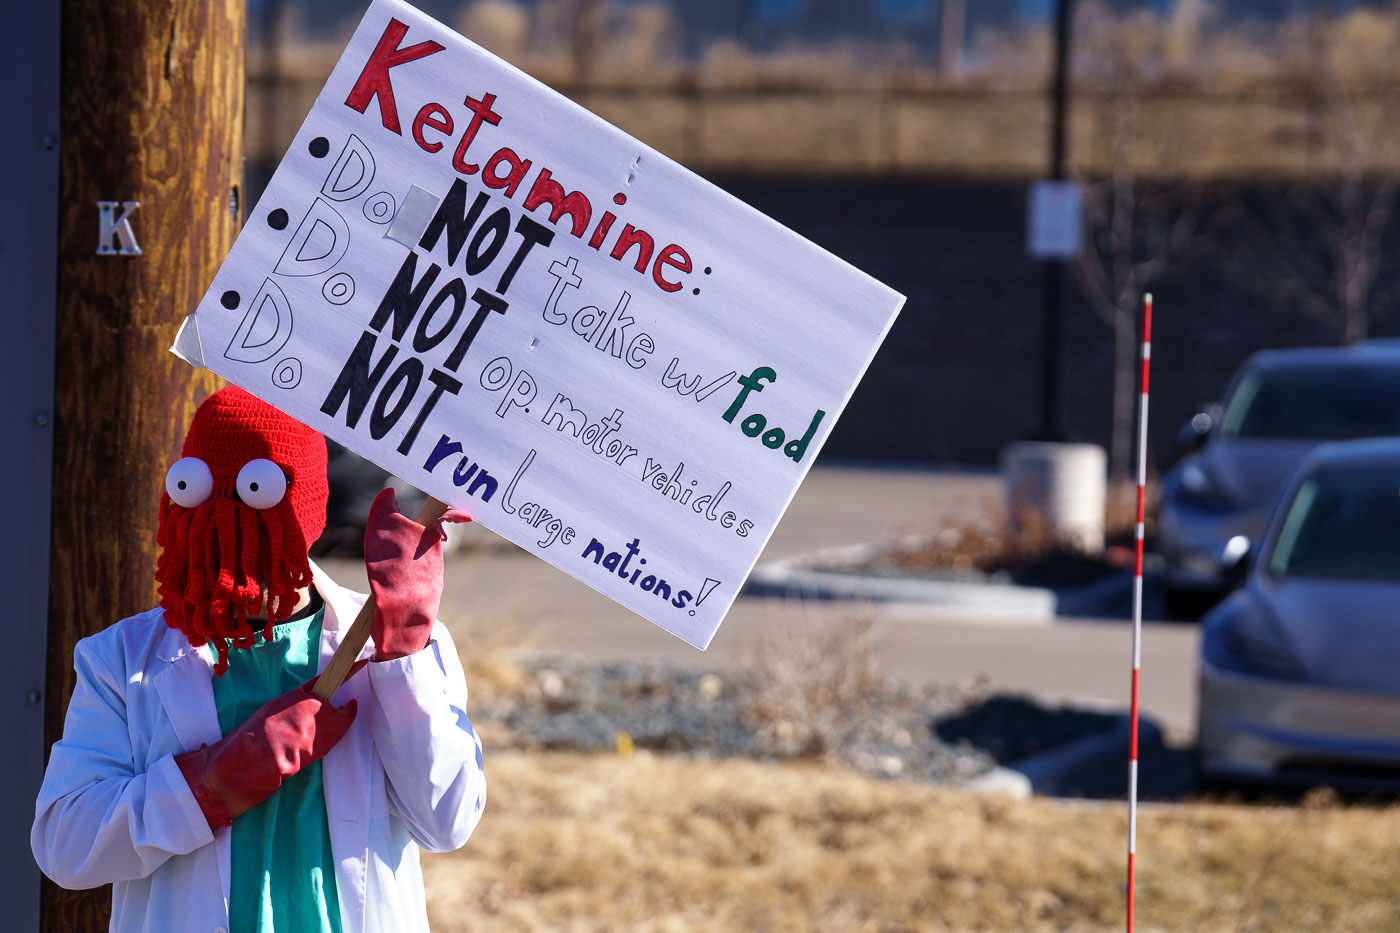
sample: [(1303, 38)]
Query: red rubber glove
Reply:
[(248, 765), (404, 561)]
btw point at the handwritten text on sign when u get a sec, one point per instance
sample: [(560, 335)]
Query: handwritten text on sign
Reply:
[(523, 311)]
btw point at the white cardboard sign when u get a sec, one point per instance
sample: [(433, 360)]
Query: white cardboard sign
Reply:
[(516, 307)]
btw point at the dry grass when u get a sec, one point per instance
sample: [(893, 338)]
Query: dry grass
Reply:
[(645, 843), (803, 681), (995, 544), (982, 545)]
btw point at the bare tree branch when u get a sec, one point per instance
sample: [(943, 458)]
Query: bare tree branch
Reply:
[(1137, 229), (1321, 250)]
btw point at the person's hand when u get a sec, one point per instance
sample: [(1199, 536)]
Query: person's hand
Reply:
[(248, 765), (404, 562)]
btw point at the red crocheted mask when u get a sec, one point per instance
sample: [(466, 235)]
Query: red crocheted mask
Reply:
[(240, 509)]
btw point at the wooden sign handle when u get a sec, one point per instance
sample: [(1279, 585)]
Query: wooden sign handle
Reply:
[(338, 668)]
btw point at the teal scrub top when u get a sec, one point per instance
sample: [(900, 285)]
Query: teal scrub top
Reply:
[(283, 872)]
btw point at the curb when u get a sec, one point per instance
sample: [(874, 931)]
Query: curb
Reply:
[(794, 578)]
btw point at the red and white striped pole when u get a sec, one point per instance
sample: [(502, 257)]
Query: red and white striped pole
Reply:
[(1137, 599)]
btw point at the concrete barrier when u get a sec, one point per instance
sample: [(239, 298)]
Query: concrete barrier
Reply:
[(1065, 485)]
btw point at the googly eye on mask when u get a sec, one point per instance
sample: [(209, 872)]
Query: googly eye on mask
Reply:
[(261, 484), (189, 482)]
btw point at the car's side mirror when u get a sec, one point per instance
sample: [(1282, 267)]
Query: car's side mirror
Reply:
[(1233, 560), (1203, 422), (1194, 433)]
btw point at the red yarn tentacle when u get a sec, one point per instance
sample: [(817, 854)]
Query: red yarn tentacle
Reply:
[(249, 594), (222, 552), (274, 565), (233, 623), (294, 547), (195, 555), (223, 556), (163, 527), (209, 544), (198, 590), (171, 567), (285, 562), (222, 561)]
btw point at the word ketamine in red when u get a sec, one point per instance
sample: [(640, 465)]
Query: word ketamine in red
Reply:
[(434, 125)]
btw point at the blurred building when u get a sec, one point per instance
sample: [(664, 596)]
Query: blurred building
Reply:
[(916, 126)]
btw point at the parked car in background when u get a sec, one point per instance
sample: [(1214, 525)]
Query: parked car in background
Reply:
[(1278, 407), (1299, 677)]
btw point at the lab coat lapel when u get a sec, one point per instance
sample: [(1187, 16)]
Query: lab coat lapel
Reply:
[(347, 768), (186, 690)]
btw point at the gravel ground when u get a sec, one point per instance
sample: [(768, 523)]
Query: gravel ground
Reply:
[(884, 729)]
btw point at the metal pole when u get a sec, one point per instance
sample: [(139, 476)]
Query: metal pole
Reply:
[(1137, 607), (29, 269), (1059, 91), (1051, 413)]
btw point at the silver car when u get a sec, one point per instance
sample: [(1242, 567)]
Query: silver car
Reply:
[(1300, 668), (1280, 405)]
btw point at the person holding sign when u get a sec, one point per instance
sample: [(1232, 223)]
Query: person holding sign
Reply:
[(199, 774)]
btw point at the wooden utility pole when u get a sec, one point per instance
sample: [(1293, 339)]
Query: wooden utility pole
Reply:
[(152, 115)]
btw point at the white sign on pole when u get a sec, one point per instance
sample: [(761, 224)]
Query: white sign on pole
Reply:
[(519, 309), (1055, 220)]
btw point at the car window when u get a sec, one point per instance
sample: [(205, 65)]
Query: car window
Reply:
[(1342, 526), (1318, 402)]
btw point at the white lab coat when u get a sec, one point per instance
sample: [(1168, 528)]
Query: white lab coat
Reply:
[(115, 808)]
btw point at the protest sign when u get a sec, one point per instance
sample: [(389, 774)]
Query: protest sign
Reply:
[(519, 309)]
